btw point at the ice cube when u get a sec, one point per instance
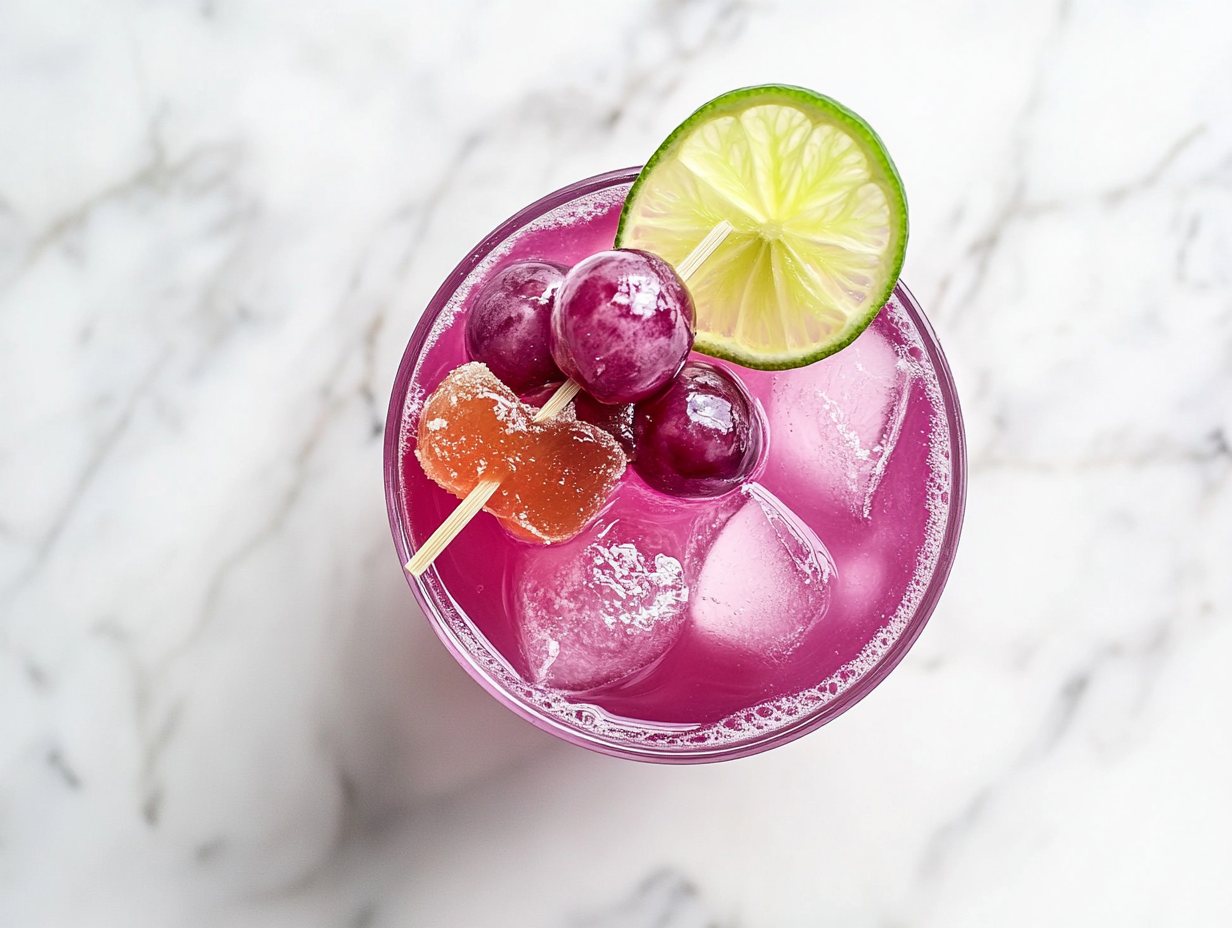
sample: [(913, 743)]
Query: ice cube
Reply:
[(837, 420), (765, 581), (602, 606)]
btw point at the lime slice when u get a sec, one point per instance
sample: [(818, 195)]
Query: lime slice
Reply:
[(819, 214)]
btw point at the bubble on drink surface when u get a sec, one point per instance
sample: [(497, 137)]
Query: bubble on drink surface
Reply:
[(840, 419), (766, 579)]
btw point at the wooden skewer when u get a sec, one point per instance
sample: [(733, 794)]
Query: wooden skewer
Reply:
[(476, 498), (705, 248), (560, 399), (484, 489)]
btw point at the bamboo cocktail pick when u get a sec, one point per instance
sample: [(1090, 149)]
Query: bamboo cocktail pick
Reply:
[(475, 500)]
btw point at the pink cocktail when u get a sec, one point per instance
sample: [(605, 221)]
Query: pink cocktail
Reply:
[(789, 599)]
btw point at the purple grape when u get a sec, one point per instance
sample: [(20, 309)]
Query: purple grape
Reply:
[(617, 421), (537, 396), (701, 436), (622, 326), (509, 324)]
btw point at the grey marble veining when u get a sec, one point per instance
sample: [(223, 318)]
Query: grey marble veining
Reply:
[(219, 222)]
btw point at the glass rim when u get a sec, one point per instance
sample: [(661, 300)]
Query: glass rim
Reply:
[(758, 741)]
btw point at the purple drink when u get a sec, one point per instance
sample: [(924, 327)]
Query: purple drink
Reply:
[(758, 615)]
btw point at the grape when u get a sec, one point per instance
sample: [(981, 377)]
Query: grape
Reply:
[(702, 436), (617, 421), (622, 326), (537, 396), (508, 326)]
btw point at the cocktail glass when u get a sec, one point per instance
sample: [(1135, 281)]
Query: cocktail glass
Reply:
[(866, 448)]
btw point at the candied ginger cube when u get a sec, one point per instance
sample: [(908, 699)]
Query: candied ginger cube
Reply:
[(554, 476)]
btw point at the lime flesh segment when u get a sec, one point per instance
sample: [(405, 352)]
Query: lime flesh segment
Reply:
[(819, 215)]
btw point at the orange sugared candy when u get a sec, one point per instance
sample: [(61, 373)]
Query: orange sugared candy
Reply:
[(554, 476)]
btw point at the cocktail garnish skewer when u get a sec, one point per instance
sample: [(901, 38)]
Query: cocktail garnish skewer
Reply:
[(475, 500)]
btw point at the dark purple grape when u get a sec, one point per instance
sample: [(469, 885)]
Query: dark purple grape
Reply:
[(537, 396), (617, 421), (701, 436), (509, 324), (622, 326)]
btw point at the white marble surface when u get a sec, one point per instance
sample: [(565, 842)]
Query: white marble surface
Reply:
[(219, 221)]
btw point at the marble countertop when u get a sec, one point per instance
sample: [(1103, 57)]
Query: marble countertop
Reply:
[(219, 706)]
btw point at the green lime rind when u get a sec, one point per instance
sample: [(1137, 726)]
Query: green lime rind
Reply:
[(820, 110)]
